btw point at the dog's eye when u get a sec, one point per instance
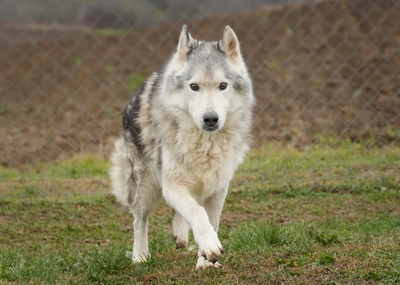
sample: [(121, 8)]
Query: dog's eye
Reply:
[(223, 86), (194, 87)]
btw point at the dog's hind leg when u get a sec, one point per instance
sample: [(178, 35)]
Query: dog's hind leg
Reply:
[(146, 201), (134, 190), (180, 230), (140, 245)]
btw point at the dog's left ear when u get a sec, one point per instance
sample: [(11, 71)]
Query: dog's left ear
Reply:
[(185, 44), (230, 45)]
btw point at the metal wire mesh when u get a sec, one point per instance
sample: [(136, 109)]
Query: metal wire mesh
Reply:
[(321, 69)]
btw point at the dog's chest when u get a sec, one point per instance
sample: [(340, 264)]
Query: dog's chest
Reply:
[(204, 163), (210, 164)]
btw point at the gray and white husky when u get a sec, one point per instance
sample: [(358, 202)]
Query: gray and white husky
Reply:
[(185, 132)]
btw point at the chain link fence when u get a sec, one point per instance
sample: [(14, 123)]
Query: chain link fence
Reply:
[(323, 71)]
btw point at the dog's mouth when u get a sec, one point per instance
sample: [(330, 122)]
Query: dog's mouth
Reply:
[(209, 128)]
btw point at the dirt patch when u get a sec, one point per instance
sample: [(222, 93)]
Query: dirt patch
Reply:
[(3, 219), (330, 68)]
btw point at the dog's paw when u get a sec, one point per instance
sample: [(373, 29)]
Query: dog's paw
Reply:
[(210, 247), (180, 243), (203, 263)]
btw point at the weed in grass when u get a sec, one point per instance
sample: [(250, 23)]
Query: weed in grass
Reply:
[(324, 238), (78, 59), (325, 259), (258, 236), (31, 190), (110, 69), (111, 113), (3, 111), (134, 82)]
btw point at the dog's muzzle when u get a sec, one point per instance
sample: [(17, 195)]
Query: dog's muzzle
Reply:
[(210, 121)]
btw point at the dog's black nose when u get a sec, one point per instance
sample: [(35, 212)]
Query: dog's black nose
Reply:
[(210, 119)]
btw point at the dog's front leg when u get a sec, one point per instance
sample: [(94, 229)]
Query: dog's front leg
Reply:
[(213, 206), (179, 198)]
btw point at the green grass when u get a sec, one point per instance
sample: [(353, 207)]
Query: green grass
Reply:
[(328, 161), (58, 225)]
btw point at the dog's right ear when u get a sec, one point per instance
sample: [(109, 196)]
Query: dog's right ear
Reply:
[(185, 43), (230, 45)]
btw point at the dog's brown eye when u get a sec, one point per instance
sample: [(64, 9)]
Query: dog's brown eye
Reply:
[(223, 86), (194, 87)]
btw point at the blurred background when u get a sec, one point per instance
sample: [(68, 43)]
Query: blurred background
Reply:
[(326, 73)]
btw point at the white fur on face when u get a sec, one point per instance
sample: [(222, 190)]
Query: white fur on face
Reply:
[(209, 98)]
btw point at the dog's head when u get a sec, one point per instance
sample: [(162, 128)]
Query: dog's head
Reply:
[(209, 80)]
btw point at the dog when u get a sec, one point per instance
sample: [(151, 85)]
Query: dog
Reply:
[(184, 134)]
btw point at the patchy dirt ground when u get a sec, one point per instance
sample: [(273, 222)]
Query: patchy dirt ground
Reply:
[(325, 68)]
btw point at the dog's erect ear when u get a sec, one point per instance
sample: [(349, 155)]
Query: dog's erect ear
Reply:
[(185, 43), (230, 45)]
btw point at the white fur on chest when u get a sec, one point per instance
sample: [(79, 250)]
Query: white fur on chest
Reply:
[(204, 162)]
